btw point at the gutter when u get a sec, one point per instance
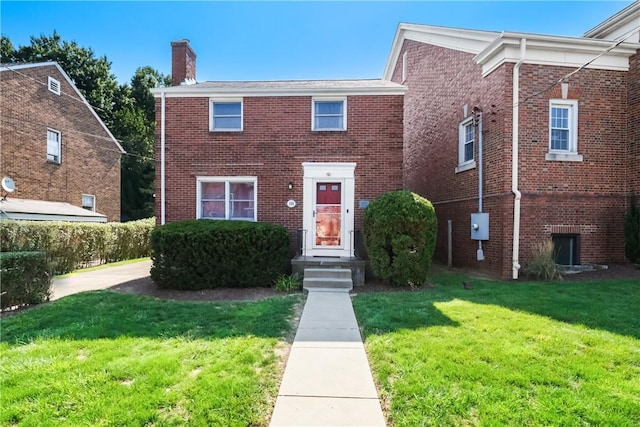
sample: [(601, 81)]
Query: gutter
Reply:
[(162, 159), (514, 160)]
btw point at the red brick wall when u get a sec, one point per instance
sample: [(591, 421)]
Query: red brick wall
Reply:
[(90, 159), (634, 123), (276, 140), (588, 195)]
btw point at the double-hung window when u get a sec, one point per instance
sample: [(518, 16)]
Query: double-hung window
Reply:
[(466, 145), (563, 130), (54, 146), (89, 202), (227, 198), (329, 114), (226, 115)]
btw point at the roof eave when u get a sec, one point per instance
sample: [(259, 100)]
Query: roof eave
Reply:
[(195, 91)]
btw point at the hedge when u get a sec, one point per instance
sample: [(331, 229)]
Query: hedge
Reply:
[(207, 254), (400, 229), (25, 278), (72, 245)]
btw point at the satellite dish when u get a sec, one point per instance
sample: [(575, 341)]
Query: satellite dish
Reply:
[(8, 185)]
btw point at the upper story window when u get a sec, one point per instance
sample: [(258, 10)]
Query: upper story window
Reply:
[(329, 114), (226, 115), (54, 144), (227, 198), (53, 85), (89, 202), (563, 130), (466, 145)]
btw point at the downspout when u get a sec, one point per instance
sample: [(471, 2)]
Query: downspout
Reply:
[(162, 160), (514, 159), (478, 113)]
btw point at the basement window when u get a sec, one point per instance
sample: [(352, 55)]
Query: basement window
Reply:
[(566, 249)]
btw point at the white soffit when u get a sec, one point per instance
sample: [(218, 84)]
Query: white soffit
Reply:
[(556, 51)]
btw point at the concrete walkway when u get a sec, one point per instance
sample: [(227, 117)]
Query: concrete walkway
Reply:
[(327, 380), (102, 278)]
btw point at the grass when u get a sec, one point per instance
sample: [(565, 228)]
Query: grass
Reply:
[(525, 354), (102, 358), (101, 266)]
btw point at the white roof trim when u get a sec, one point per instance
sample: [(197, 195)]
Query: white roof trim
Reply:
[(42, 210), (555, 51), (470, 41), (9, 67), (212, 92), (618, 25)]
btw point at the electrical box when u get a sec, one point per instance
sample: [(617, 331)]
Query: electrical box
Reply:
[(479, 226)]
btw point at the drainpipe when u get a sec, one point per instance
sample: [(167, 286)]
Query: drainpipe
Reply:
[(478, 113), (514, 160), (162, 141)]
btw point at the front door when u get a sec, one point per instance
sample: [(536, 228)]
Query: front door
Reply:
[(328, 209), (328, 215)]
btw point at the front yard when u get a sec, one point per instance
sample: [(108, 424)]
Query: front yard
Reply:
[(525, 354), (103, 358)]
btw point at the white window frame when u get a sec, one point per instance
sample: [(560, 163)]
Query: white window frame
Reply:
[(571, 153), (227, 180), (315, 100), (463, 164), (93, 202), (53, 85), (212, 122), (53, 159)]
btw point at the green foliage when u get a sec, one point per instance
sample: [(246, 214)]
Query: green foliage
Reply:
[(206, 254), (542, 265), (25, 278), (632, 231), (288, 283), (400, 229), (69, 246)]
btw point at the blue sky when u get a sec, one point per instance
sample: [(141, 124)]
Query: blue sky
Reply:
[(265, 40)]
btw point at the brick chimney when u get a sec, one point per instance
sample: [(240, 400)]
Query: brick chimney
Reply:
[(183, 63)]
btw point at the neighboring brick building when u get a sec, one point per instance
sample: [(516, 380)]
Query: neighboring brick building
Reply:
[(577, 138), (304, 154), (55, 147)]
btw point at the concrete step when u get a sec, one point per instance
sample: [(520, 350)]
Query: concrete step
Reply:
[(329, 273), (327, 283)]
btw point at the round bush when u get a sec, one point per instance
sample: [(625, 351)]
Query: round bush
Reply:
[(400, 230), (207, 254)]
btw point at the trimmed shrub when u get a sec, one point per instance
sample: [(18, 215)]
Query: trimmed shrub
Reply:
[(207, 254), (400, 229), (632, 231), (543, 265), (72, 245), (25, 278)]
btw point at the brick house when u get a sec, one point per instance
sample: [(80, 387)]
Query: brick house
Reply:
[(308, 155), (55, 148), (575, 140)]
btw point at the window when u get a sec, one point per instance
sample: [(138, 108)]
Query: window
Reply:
[(89, 202), (466, 143), (563, 130), (53, 146), (227, 198), (565, 250), (329, 114), (226, 115), (53, 85)]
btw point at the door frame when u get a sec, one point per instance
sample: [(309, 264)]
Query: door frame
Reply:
[(344, 173)]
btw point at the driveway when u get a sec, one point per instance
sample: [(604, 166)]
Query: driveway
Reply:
[(99, 279)]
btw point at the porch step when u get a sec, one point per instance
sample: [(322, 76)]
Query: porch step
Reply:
[(328, 278)]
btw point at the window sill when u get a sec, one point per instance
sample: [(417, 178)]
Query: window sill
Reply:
[(327, 130), (466, 166), (53, 162), (226, 130), (563, 157)]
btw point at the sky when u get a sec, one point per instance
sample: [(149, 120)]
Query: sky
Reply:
[(288, 40)]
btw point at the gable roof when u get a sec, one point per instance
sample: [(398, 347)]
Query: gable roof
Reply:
[(619, 25), (492, 49), (284, 88), (16, 67)]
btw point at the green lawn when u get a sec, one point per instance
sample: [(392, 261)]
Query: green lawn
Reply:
[(103, 358), (515, 354)]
